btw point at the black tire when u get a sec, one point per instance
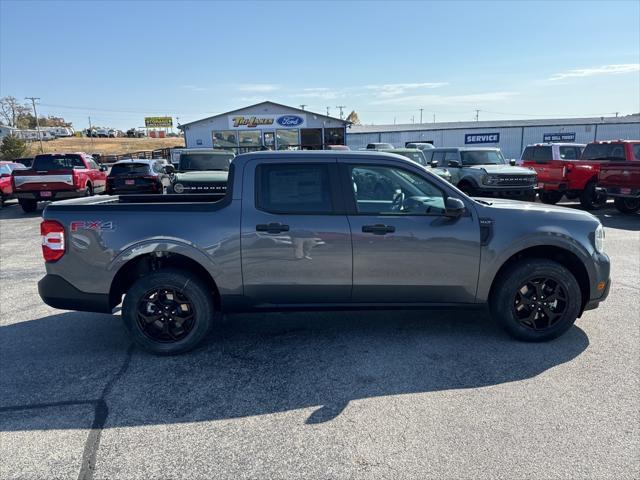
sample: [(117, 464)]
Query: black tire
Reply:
[(88, 191), (467, 188), (535, 320), (591, 198), (185, 335), (28, 205), (627, 205), (550, 197), (529, 197)]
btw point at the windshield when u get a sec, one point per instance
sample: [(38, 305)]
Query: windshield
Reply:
[(204, 161), (604, 151), (129, 169), (417, 157), (482, 157)]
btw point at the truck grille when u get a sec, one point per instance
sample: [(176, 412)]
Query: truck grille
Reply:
[(515, 181), (204, 188)]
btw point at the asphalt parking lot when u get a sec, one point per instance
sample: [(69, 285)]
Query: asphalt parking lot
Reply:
[(324, 395)]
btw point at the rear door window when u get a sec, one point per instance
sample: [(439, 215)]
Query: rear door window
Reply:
[(294, 188), (569, 153), (542, 154)]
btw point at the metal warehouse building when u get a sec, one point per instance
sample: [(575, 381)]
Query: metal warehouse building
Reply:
[(265, 125), (510, 135)]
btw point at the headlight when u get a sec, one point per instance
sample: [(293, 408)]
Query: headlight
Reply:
[(599, 239), (178, 188), (489, 180)]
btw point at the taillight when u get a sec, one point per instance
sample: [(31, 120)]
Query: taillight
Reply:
[(52, 235)]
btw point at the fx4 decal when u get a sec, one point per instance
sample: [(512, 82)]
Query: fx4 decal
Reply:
[(91, 225)]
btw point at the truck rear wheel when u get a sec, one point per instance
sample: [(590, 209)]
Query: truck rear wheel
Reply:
[(28, 205), (168, 312), (627, 205), (536, 300), (550, 197), (592, 198)]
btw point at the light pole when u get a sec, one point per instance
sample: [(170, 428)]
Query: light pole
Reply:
[(35, 114)]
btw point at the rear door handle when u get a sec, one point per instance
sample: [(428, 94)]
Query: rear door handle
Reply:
[(272, 227), (378, 229)]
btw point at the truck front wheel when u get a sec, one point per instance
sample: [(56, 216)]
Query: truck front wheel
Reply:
[(28, 205), (550, 197), (168, 312), (592, 198), (627, 205), (536, 299)]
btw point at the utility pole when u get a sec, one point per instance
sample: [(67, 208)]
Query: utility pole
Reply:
[(434, 118), (35, 114), (302, 106), (328, 114), (340, 107), (477, 114), (421, 114), (617, 113), (91, 133), (413, 119)]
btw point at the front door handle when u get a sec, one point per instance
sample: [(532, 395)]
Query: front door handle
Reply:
[(378, 229), (272, 227)]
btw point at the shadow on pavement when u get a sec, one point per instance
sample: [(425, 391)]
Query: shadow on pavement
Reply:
[(259, 364)]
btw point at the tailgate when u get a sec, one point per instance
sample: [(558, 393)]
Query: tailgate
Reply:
[(620, 174), (32, 180)]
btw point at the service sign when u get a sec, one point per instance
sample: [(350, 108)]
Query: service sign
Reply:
[(158, 122), (559, 137), (261, 122), (475, 138)]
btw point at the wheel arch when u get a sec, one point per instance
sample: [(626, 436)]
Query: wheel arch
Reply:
[(563, 256), (139, 266)]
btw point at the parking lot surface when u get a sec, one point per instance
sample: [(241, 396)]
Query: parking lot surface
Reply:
[(325, 395)]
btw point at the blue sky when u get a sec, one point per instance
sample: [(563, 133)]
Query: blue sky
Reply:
[(119, 61)]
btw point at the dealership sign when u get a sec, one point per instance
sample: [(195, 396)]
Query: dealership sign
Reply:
[(158, 122), (559, 137), (248, 122), (473, 138)]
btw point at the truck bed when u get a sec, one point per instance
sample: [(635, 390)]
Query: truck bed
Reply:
[(143, 202)]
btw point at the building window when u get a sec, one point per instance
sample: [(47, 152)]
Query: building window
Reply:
[(287, 139), (334, 136), (250, 139), (227, 139)]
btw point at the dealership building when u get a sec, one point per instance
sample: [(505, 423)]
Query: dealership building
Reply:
[(265, 125), (510, 135)]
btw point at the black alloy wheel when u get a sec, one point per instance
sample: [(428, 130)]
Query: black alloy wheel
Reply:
[(165, 315), (539, 303)]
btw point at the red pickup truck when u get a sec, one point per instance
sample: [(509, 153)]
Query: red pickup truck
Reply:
[(56, 176), (563, 170), (621, 179)]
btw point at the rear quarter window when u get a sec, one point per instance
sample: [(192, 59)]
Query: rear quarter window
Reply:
[(542, 154)]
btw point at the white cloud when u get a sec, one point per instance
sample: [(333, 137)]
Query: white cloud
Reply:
[(258, 87), (393, 89), (431, 100), (193, 88), (603, 70)]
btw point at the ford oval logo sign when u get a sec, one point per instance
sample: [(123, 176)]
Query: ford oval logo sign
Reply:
[(290, 120)]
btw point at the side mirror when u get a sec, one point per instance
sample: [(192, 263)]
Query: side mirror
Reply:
[(434, 163), (454, 163), (103, 168), (512, 162), (169, 169), (454, 207)]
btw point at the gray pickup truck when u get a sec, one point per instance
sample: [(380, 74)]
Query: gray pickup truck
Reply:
[(320, 230)]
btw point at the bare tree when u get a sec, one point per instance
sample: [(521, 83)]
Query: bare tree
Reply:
[(11, 111)]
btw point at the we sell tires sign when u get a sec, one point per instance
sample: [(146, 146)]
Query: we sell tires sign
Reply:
[(475, 138)]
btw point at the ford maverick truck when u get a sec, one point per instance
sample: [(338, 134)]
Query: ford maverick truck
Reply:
[(320, 230)]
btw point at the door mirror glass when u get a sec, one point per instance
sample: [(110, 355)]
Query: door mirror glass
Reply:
[(512, 162), (454, 207), (454, 163), (103, 168), (169, 169), (434, 163)]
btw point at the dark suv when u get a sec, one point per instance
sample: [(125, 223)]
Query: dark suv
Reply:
[(139, 176)]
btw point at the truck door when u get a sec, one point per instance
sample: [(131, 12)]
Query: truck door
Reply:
[(404, 249), (296, 241)]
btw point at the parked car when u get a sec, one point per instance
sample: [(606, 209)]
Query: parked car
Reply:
[(484, 172), (102, 132), (293, 232), (621, 179), (418, 156), (379, 146), (139, 176), (562, 172), (54, 176), (202, 170), (111, 133), (6, 188), (135, 133), (419, 145)]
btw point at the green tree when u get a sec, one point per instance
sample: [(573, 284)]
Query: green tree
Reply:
[(12, 147)]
